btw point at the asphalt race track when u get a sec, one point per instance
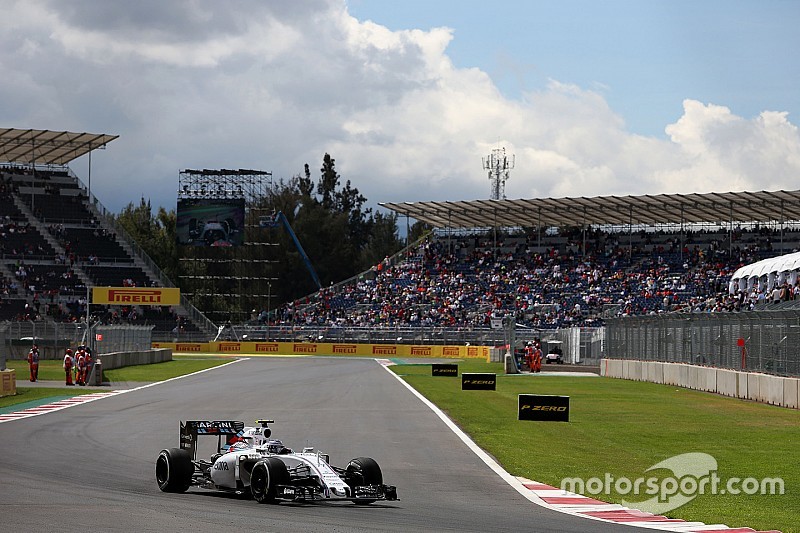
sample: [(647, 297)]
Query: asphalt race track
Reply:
[(91, 467)]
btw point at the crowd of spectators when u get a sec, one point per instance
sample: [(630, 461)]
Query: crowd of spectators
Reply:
[(466, 281)]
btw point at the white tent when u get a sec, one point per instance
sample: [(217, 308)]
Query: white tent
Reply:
[(766, 273)]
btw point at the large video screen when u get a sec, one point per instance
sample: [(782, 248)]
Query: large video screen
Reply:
[(210, 222)]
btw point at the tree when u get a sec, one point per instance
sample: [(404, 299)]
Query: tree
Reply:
[(155, 234)]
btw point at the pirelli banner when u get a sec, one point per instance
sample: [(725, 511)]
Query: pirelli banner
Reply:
[(136, 296), (328, 348), (544, 407)]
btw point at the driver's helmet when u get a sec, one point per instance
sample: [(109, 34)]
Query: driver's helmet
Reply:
[(275, 446)]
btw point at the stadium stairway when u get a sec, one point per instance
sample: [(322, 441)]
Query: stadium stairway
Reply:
[(48, 237)]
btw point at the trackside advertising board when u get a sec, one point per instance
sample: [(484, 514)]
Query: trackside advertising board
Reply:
[(544, 407), (478, 381), (136, 296), (444, 369), (382, 351)]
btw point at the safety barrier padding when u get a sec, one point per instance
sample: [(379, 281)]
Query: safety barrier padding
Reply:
[(727, 382), (790, 393)]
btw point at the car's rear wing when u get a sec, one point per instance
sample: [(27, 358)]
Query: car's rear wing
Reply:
[(191, 429)]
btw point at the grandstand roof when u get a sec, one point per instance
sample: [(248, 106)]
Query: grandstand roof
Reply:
[(724, 207), (45, 147)]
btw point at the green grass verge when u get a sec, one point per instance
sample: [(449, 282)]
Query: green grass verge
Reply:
[(623, 428), (50, 370), (179, 366)]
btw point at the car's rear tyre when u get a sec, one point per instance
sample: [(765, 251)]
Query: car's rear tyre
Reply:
[(364, 471), (265, 478), (174, 470)]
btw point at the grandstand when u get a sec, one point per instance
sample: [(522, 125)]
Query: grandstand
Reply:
[(56, 244)]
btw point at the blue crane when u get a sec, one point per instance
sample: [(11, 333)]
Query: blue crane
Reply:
[(272, 221)]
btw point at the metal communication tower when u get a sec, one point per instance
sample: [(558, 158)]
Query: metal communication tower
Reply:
[(498, 165)]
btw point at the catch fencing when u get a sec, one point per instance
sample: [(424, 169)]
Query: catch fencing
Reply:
[(758, 341), (53, 338)]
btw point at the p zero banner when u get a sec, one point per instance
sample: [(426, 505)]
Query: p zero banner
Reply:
[(478, 381), (543, 407), (136, 296), (444, 369)]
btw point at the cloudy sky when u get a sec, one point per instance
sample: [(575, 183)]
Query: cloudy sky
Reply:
[(593, 98)]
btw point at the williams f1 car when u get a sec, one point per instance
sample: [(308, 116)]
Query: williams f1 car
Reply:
[(247, 461)]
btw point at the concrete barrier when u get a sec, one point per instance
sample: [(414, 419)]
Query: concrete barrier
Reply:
[(653, 372), (144, 357), (727, 382), (754, 388), (772, 389), (742, 388), (709, 379), (790, 394), (764, 388)]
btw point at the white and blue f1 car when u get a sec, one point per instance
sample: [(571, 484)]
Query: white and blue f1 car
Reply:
[(248, 461)]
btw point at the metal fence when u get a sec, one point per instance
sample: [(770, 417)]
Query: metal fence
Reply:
[(53, 338), (764, 341)]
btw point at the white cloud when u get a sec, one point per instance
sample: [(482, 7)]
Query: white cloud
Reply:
[(274, 85)]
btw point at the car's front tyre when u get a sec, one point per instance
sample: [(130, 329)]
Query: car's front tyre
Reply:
[(265, 478), (364, 471)]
